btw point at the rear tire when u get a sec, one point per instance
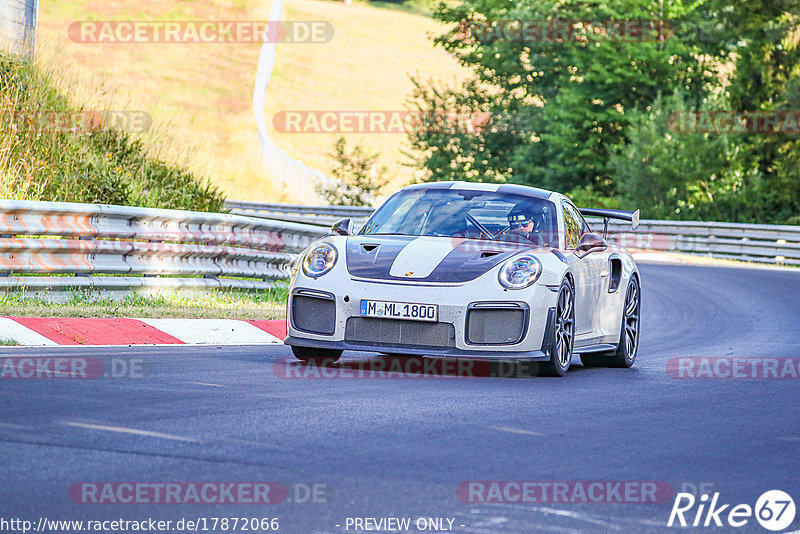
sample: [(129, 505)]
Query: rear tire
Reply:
[(563, 333), (316, 356), (628, 346)]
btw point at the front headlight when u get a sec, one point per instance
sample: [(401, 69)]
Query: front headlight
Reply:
[(319, 260), (520, 272)]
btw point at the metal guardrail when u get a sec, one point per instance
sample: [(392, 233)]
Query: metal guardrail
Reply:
[(165, 248), (171, 249), (318, 215), (758, 243)]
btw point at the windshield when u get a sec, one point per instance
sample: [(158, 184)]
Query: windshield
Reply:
[(465, 213)]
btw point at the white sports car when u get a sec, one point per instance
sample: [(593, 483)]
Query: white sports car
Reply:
[(471, 270)]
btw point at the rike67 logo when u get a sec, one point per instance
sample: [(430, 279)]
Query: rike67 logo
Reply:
[(774, 510)]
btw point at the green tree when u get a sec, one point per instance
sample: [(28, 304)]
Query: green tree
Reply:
[(760, 41), (356, 177), (585, 115), (673, 175), (558, 106), (764, 38), (461, 135)]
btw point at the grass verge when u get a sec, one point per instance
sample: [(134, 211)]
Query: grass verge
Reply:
[(220, 304), (204, 92), (55, 147)]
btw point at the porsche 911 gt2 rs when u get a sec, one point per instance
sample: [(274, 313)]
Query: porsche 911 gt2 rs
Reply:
[(473, 270)]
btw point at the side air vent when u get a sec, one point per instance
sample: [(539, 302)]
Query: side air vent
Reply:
[(496, 323), (615, 267), (314, 312)]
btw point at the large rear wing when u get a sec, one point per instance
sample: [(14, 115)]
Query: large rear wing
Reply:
[(623, 215)]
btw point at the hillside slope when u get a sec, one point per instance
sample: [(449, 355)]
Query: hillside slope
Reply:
[(203, 92), (56, 148)]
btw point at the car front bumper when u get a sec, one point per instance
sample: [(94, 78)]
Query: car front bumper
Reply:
[(322, 318), (535, 355)]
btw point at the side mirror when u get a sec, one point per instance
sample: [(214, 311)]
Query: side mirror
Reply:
[(590, 242), (343, 227)]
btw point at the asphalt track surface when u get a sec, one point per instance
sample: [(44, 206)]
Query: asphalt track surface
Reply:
[(400, 447)]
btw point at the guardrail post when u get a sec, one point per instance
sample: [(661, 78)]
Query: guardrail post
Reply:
[(84, 238), (18, 26), (5, 236)]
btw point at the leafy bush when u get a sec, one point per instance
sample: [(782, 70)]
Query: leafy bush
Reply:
[(357, 178), (587, 114)]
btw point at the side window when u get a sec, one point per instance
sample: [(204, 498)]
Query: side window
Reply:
[(573, 225)]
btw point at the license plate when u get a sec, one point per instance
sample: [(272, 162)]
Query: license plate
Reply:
[(399, 310)]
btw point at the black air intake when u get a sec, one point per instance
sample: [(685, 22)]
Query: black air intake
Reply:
[(399, 332), (314, 312), (488, 325)]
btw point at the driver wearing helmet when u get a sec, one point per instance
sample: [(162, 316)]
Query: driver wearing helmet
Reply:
[(527, 223)]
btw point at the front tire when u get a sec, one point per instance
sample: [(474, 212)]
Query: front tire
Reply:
[(628, 346), (316, 356), (563, 332)]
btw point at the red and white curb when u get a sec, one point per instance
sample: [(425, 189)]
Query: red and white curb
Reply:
[(28, 331)]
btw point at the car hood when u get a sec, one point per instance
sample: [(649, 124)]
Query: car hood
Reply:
[(426, 259)]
